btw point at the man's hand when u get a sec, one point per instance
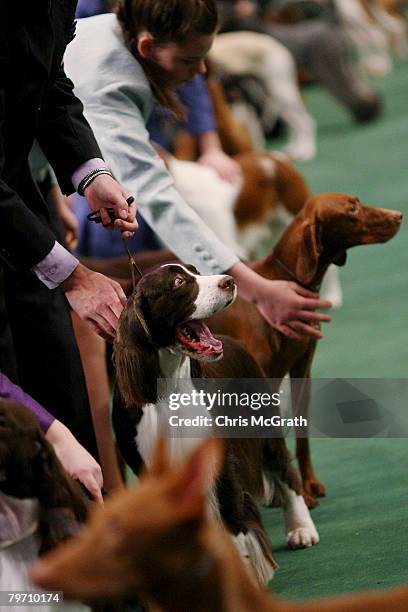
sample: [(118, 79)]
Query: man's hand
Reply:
[(104, 192), (96, 299)]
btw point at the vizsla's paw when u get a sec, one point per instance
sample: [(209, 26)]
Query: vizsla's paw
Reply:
[(313, 488), (310, 500), (302, 537), (317, 488)]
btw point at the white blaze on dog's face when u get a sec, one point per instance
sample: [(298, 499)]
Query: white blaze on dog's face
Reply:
[(174, 301), (214, 293)]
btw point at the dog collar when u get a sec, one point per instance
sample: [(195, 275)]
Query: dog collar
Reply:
[(315, 288)]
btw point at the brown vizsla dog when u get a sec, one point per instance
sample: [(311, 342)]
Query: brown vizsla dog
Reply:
[(157, 541), (321, 233)]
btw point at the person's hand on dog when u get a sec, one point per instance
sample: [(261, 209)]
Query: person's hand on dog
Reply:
[(104, 192), (285, 305), (76, 461), (291, 309), (226, 167), (96, 299)]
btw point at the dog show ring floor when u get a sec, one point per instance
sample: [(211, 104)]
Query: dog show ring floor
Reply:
[(363, 520)]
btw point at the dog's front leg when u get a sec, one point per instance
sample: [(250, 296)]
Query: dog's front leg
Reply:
[(300, 391), (299, 527)]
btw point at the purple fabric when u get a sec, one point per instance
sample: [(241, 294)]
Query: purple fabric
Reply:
[(9, 390), (200, 115), (87, 8), (59, 263), (55, 267)]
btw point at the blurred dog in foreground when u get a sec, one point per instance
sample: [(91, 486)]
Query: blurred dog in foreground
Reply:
[(156, 540)]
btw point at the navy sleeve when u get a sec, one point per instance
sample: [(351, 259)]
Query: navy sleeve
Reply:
[(200, 114)]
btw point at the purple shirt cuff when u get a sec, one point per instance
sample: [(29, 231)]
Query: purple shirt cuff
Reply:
[(55, 267), (85, 168), (9, 390)]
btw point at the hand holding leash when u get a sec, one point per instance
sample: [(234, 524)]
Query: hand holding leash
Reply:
[(96, 217), (110, 204)]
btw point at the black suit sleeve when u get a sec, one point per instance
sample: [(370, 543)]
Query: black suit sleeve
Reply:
[(63, 133), (17, 222)]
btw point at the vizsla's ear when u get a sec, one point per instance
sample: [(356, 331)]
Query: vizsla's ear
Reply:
[(308, 257), (197, 476), (340, 260), (135, 357)]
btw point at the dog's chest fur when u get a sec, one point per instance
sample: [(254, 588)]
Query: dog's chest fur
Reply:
[(155, 419)]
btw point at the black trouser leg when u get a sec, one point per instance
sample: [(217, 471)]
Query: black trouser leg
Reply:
[(48, 362)]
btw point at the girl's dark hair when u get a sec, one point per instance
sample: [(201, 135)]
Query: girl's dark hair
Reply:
[(167, 21)]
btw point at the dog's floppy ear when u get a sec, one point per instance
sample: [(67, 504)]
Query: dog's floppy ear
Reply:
[(135, 357), (340, 259), (310, 248), (192, 269)]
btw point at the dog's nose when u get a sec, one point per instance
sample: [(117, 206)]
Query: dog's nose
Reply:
[(227, 283), (398, 216)]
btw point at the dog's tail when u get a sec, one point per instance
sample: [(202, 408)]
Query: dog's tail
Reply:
[(255, 544)]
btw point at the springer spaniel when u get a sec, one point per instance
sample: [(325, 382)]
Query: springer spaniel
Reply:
[(162, 335)]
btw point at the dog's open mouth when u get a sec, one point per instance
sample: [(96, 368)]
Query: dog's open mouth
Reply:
[(196, 336)]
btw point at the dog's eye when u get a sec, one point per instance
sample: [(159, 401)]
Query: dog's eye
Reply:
[(353, 209), (179, 281)]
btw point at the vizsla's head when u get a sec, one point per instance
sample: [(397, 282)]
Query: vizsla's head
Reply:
[(331, 223), (149, 540)]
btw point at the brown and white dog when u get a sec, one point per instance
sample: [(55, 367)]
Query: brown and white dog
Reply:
[(371, 30), (322, 232), (162, 335), (157, 541)]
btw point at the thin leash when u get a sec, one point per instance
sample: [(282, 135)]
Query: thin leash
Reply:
[(96, 218), (315, 288)]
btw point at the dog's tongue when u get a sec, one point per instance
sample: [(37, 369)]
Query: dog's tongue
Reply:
[(204, 335)]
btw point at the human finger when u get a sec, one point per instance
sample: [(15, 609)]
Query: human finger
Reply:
[(90, 483), (307, 293), (102, 327), (121, 295), (105, 218), (313, 304), (304, 328), (127, 226), (289, 332), (312, 315)]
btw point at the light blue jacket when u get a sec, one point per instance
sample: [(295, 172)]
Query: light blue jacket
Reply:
[(118, 102)]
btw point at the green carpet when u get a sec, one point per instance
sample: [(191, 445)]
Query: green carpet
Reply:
[(363, 520)]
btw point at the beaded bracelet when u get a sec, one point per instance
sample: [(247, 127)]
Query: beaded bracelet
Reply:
[(87, 180)]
